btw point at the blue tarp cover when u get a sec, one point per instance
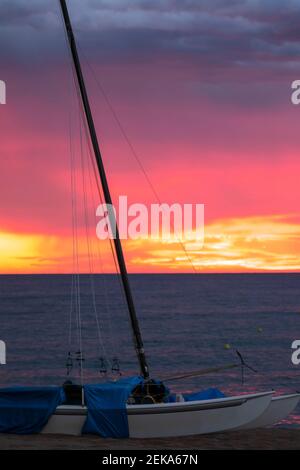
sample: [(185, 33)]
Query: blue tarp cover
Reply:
[(26, 410), (208, 394), (106, 404)]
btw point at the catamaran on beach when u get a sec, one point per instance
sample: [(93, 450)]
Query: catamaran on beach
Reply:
[(140, 406)]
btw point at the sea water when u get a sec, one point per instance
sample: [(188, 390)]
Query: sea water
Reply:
[(188, 322)]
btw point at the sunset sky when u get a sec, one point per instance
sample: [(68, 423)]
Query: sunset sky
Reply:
[(202, 89)]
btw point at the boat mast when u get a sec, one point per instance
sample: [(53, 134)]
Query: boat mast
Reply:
[(107, 197)]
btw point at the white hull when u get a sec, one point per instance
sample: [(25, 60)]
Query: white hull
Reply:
[(172, 419), (278, 409)]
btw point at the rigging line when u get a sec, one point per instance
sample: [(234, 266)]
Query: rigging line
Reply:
[(103, 278), (75, 275), (90, 260), (74, 232), (71, 312), (98, 185), (119, 253), (197, 373), (110, 241), (75, 245), (91, 153), (101, 199), (73, 283), (76, 254), (72, 207), (80, 352), (79, 321), (92, 161), (134, 153)]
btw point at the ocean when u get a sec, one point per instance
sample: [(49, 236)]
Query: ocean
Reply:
[(188, 322)]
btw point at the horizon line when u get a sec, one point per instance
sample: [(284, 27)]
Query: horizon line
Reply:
[(154, 273)]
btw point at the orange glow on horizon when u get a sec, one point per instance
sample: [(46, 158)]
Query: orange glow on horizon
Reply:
[(250, 244)]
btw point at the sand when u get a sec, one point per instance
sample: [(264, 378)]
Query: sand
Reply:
[(275, 438)]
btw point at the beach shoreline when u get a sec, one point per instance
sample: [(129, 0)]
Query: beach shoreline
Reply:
[(260, 439)]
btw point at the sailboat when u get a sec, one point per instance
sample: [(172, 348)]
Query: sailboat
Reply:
[(146, 408)]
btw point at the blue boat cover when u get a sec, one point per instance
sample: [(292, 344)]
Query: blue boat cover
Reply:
[(26, 410), (106, 404), (208, 394)]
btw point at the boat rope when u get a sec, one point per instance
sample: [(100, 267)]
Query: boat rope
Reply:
[(75, 283), (79, 354), (242, 363), (133, 151), (197, 373), (104, 289), (79, 358), (68, 365), (112, 249), (89, 248), (75, 280), (114, 365)]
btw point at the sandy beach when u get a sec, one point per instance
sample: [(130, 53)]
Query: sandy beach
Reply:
[(268, 439)]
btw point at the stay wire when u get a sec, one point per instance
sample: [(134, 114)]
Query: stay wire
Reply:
[(132, 149), (90, 259)]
